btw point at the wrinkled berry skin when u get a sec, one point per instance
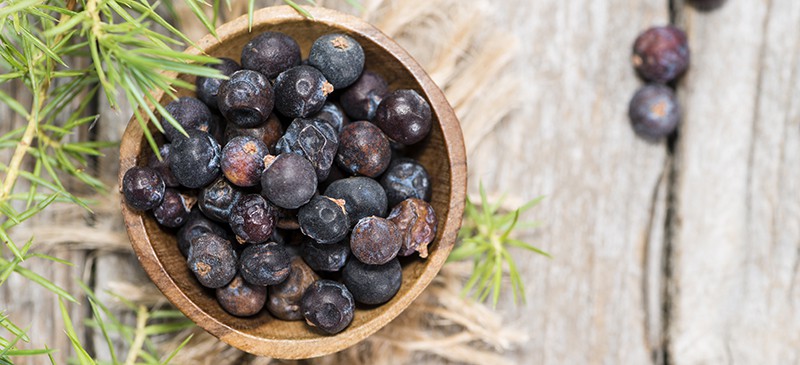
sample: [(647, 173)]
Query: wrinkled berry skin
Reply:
[(375, 240), (162, 167), (143, 188), (195, 161), (324, 257), (661, 54), (301, 91), (174, 209), (196, 225), (243, 161), (246, 99), (328, 305), (190, 113), (269, 133), (416, 221), (208, 88), (241, 298), (339, 57), (252, 219), (707, 5), (372, 284), (284, 298), (217, 200), (332, 114), (271, 53), (289, 180), (363, 149), (313, 139), (360, 101), (363, 197), (324, 219), (265, 264), (404, 116), (405, 179), (212, 260), (654, 112)]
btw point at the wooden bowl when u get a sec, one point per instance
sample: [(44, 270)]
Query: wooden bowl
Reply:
[(442, 154)]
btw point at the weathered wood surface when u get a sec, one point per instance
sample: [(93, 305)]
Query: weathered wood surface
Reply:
[(684, 257)]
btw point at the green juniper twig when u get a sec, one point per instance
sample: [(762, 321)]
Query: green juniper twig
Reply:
[(485, 238)]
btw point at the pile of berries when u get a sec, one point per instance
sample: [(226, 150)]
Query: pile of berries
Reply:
[(276, 198)]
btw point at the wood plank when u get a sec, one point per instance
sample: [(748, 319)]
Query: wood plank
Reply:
[(598, 300), (736, 239)]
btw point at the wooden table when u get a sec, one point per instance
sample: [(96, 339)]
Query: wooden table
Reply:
[(670, 253)]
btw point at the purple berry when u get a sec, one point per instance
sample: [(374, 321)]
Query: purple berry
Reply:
[(143, 188), (328, 305), (313, 139), (654, 111), (208, 88), (405, 179), (271, 53), (372, 284), (252, 219), (363, 149), (339, 57), (212, 260), (174, 209), (162, 166), (332, 114), (301, 91), (404, 116), (190, 113), (246, 99), (363, 197), (241, 298), (243, 160), (284, 298), (265, 264), (217, 200), (360, 101), (289, 180), (375, 240), (324, 219), (195, 161), (661, 54)]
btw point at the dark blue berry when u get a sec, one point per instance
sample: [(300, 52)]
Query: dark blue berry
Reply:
[(363, 197), (360, 101), (252, 219), (217, 200), (324, 219), (363, 149), (339, 57), (301, 91), (212, 260), (332, 114), (404, 116), (289, 180), (405, 179), (271, 53), (143, 188), (246, 99), (265, 264), (372, 284), (313, 139), (190, 113), (208, 88), (654, 111), (324, 257), (174, 209), (195, 161), (328, 305), (241, 298)]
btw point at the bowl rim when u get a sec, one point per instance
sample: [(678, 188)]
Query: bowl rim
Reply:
[(130, 148)]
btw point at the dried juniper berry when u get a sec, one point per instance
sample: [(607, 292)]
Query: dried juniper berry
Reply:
[(243, 160), (162, 166), (241, 298), (324, 257), (328, 305), (661, 54), (375, 240), (208, 87), (361, 100), (212, 260), (195, 161), (284, 298), (143, 188), (333, 114), (196, 225), (654, 112), (706, 5), (269, 132), (313, 139), (301, 91), (289, 181), (217, 200), (252, 219), (265, 264), (324, 219), (404, 116), (339, 57), (363, 197), (246, 99), (372, 284), (405, 179), (190, 113), (416, 221), (174, 209), (363, 149), (271, 53)]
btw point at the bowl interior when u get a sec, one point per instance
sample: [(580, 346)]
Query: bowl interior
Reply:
[(441, 154)]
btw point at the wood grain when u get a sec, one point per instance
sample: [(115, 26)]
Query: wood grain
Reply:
[(442, 154), (736, 238)]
